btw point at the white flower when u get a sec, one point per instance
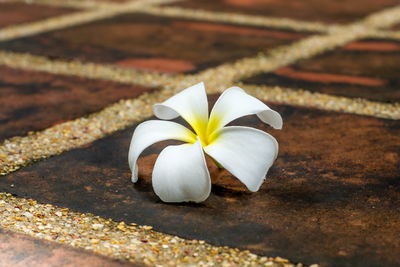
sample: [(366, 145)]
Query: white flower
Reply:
[(180, 172)]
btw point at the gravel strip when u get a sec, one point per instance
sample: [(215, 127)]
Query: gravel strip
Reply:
[(119, 240)]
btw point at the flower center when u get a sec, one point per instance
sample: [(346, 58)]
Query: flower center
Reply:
[(203, 137), (208, 133), (206, 130)]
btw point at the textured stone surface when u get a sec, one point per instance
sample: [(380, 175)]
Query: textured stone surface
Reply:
[(331, 197), (310, 10), (15, 13), (21, 250), (154, 43), (31, 101), (368, 69)]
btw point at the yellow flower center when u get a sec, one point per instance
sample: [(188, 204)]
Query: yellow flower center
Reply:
[(206, 130)]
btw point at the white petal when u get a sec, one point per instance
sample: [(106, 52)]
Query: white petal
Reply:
[(181, 174), (245, 152), (191, 104), (235, 103), (153, 131)]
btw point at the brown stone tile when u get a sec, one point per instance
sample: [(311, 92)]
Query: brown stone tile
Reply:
[(31, 101), (396, 27), (367, 69), (154, 43), (20, 250), (14, 13), (331, 197), (116, 1), (309, 10)]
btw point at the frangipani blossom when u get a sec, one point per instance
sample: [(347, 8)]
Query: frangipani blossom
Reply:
[(180, 172)]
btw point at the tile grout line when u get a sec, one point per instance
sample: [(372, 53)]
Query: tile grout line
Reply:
[(27, 61), (78, 4), (138, 244), (228, 73), (19, 151), (155, 9), (73, 19), (308, 99), (379, 34), (238, 18), (254, 20), (171, 11)]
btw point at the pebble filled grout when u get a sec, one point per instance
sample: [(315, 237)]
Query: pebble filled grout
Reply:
[(116, 239)]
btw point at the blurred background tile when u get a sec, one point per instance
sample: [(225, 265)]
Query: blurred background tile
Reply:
[(15, 13)]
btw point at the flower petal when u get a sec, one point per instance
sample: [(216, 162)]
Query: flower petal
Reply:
[(153, 131), (181, 174), (245, 152), (191, 104), (235, 103)]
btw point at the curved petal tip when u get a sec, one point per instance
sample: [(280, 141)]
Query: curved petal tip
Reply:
[(272, 118)]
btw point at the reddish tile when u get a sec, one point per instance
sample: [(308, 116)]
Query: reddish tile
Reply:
[(378, 46), (31, 101), (21, 250), (309, 10), (327, 78), (15, 13), (154, 43), (331, 197), (117, 1), (396, 27), (367, 69), (158, 64)]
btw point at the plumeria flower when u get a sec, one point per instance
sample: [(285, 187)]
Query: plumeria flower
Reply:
[(180, 172)]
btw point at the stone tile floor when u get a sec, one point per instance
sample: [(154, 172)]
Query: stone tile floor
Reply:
[(76, 77)]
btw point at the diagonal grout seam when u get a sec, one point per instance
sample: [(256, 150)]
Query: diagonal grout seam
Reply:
[(87, 70)]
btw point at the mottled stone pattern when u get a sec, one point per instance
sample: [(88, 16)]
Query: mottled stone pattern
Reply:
[(367, 69), (309, 10), (327, 199), (31, 101), (15, 13), (20, 250), (154, 43)]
